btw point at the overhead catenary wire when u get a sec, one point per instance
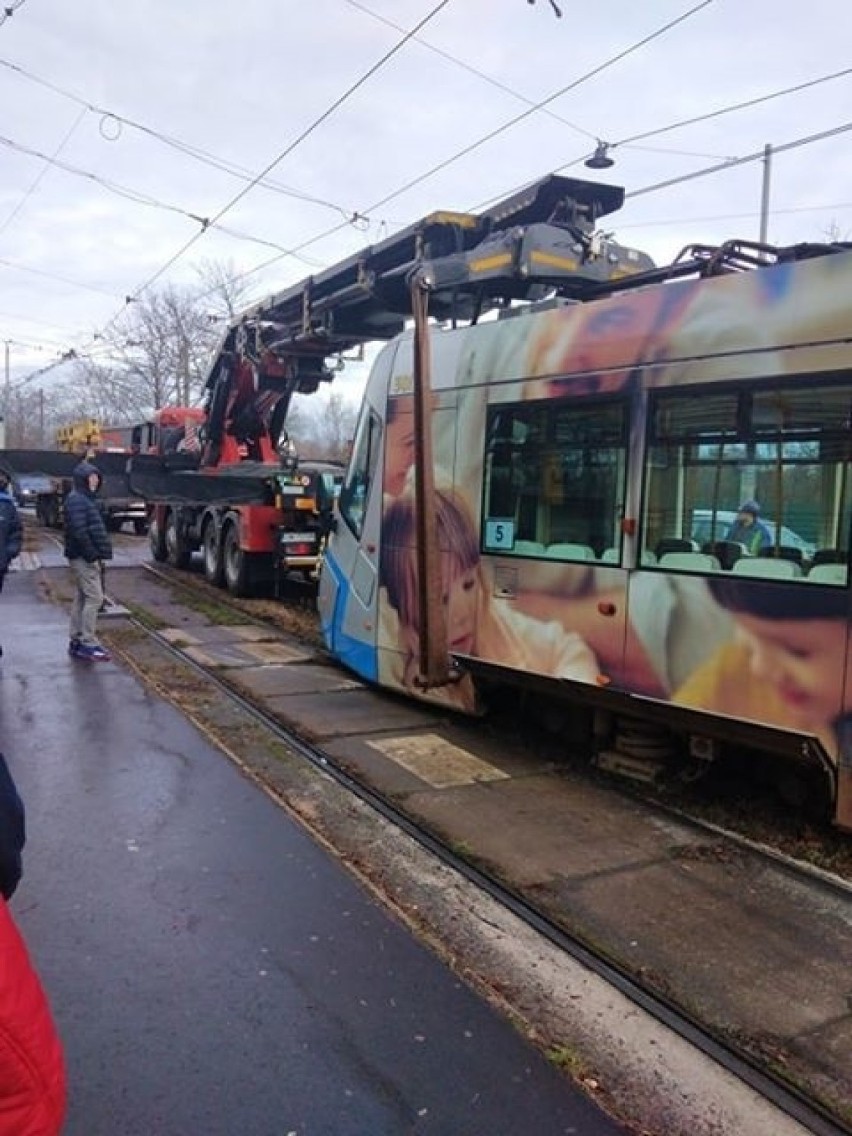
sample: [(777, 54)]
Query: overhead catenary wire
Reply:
[(757, 155), (492, 134), (303, 245), (729, 109), (306, 133), (497, 83), (544, 102), (284, 153), (58, 277), (42, 172), (186, 148), (140, 198)]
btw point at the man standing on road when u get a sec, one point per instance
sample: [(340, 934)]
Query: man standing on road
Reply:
[(11, 529), (87, 546)]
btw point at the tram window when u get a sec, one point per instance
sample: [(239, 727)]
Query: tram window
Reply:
[(362, 468), (554, 479), (785, 446)]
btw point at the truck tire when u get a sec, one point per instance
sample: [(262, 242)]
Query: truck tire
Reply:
[(236, 563), (211, 546), (178, 552), (156, 540)]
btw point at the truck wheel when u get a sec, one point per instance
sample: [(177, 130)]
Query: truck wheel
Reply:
[(178, 552), (156, 540), (236, 563), (214, 571)]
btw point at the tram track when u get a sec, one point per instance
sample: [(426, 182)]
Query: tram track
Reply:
[(767, 1082), (773, 838)]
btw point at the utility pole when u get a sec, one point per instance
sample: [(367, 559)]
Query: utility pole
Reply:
[(764, 195), (7, 395)]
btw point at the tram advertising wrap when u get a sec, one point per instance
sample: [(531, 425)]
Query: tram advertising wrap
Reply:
[(646, 494)]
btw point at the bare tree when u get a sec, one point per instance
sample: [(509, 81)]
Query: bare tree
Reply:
[(323, 429), (222, 288), (160, 354)]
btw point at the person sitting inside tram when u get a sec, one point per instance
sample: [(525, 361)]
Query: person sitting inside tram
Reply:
[(748, 530)]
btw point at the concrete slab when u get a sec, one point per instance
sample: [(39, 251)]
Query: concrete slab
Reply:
[(224, 654), (275, 683), (220, 633), (436, 761), (321, 716), (560, 828)]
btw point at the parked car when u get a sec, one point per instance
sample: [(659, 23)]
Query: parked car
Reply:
[(704, 530), (27, 486)]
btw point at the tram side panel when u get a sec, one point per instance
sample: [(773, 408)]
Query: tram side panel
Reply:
[(752, 396)]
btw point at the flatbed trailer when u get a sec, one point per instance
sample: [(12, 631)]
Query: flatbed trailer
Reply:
[(118, 504)]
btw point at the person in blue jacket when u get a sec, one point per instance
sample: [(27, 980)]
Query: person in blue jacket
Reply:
[(11, 529), (748, 529), (87, 546)]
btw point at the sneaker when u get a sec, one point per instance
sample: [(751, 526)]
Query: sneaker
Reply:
[(94, 654)]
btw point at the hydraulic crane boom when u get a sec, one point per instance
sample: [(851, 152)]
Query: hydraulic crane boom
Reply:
[(542, 239)]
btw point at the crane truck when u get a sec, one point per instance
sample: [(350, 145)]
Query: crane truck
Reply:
[(240, 494)]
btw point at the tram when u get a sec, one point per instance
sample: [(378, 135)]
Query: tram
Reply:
[(641, 508)]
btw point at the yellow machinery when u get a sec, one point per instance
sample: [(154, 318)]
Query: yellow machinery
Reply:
[(84, 434)]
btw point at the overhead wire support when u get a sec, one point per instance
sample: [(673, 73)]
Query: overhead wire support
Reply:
[(493, 134), (8, 10), (584, 78), (757, 155)]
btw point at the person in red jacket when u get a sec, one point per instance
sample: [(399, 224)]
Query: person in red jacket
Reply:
[(32, 1068)]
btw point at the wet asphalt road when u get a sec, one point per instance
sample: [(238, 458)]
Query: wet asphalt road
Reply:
[(211, 969)]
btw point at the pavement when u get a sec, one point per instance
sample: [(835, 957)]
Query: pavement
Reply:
[(735, 938), (212, 968)]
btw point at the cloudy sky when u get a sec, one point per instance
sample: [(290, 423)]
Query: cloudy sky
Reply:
[(124, 125)]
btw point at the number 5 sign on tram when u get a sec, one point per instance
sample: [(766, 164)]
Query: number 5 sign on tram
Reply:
[(500, 534)]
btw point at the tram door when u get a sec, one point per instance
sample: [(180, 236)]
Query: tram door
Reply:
[(553, 504)]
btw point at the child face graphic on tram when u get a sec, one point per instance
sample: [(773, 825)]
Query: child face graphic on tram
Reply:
[(591, 348), (796, 639), (399, 443), (787, 663), (460, 569), (400, 440), (477, 624)]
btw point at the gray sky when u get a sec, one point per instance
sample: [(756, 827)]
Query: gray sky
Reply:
[(243, 82)]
